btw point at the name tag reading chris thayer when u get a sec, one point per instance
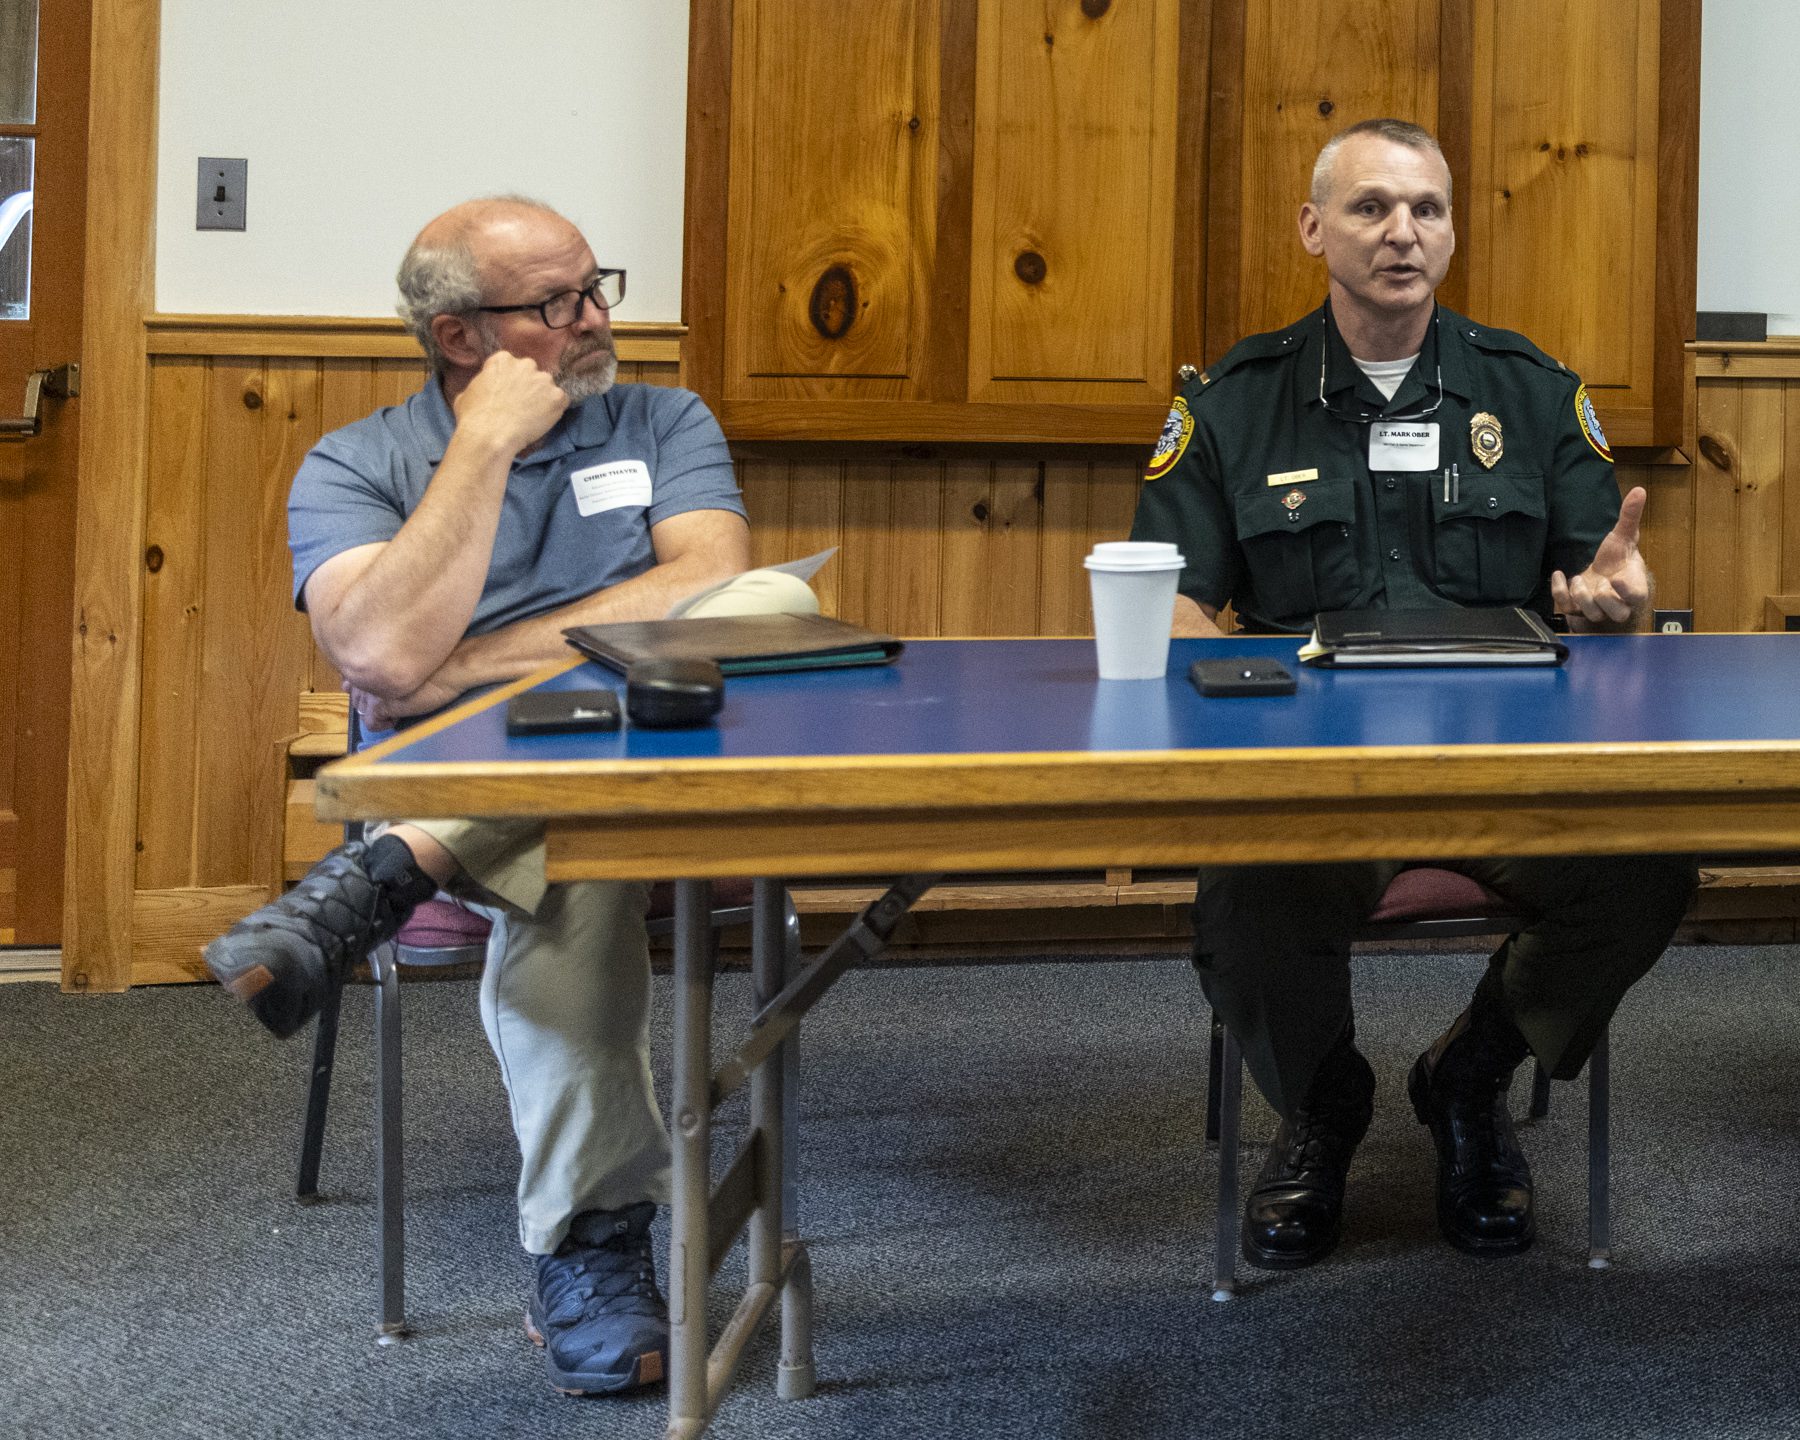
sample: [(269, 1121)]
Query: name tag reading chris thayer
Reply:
[(1403, 445), (611, 487)]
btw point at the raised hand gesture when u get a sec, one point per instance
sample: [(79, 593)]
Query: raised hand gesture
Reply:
[(1614, 590)]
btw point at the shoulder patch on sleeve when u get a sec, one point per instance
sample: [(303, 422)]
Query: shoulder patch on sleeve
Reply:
[(1172, 443), (1590, 424)]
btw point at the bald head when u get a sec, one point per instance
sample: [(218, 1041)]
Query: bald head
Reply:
[(1399, 132), (452, 262)]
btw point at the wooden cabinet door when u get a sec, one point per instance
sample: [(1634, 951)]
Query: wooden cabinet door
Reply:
[(830, 243), (1288, 75), (1072, 265), (1571, 129), (1006, 220), (1579, 211), (943, 220)]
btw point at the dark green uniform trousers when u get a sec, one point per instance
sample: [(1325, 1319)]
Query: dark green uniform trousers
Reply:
[(1272, 945)]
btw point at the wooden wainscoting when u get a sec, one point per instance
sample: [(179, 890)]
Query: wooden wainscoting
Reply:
[(927, 546), (951, 543), (1746, 486), (227, 663)]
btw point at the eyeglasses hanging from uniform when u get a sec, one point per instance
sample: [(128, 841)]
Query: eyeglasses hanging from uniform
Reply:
[(1407, 441)]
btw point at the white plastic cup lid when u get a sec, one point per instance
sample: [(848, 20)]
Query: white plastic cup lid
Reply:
[(1134, 555)]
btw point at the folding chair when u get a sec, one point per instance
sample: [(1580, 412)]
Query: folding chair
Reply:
[(1421, 903), (440, 933)]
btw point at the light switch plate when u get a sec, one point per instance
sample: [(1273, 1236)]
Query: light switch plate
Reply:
[(220, 197)]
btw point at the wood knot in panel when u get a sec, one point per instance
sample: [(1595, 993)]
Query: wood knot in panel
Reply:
[(980, 511), (912, 122), (252, 398), (1326, 107), (1030, 267), (832, 306), (153, 559), (1715, 452), (1094, 9)]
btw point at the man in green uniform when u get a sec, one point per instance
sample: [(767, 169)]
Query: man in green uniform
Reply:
[(1384, 451)]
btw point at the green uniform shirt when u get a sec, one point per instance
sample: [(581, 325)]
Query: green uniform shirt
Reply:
[(1263, 477)]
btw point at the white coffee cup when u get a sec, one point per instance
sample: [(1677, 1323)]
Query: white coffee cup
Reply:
[(1133, 586)]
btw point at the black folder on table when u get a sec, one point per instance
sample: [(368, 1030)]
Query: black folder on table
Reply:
[(1503, 635), (739, 644)]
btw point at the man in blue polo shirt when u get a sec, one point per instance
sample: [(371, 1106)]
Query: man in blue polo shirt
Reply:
[(444, 544)]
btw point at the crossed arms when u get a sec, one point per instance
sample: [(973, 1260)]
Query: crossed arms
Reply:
[(393, 616)]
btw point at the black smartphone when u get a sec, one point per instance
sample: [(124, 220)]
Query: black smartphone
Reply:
[(561, 712), (1241, 675)]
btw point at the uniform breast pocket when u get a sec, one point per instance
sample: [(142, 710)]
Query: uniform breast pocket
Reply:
[(1488, 541), (1299, 547)]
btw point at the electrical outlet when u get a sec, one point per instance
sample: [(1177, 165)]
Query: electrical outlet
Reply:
[(1672, 622), (219, 202)]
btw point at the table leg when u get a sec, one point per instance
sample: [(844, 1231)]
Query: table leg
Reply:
[(689, 1270), (1599, 1070), (774, 1242), (1225, 1242)]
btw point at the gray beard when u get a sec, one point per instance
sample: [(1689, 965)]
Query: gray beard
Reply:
[(577, 387), (587, 384)]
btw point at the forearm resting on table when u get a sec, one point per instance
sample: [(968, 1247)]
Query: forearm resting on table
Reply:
[(1194, 619), (514, 650)]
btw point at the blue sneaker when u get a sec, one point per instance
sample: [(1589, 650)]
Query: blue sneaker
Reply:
[(596, 1310)]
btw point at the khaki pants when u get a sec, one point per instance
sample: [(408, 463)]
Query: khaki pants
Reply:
[(565, 1000), (1272, 945)]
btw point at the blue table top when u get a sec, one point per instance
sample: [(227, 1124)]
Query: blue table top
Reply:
[(964, 697)]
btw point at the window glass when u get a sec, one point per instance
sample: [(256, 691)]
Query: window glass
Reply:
[(16, 156), (18, 62)]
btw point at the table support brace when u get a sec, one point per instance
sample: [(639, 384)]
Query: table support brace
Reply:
[(866, 937), (757, 1189)]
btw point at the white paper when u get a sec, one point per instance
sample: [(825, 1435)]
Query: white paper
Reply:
[(805, 569)]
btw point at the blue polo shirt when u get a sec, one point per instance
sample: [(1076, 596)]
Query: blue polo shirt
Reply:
[(358, 485)]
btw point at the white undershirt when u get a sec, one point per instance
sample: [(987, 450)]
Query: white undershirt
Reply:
[(1387, 374)]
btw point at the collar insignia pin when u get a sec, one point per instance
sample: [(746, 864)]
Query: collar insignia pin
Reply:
[(1486, 440)]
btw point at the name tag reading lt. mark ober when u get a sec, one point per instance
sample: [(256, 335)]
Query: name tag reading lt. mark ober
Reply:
[(1403, 445)]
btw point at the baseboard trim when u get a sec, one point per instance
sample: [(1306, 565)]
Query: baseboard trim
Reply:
[(18, 965)]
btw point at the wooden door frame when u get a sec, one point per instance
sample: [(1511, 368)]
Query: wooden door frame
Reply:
[(118, 292)]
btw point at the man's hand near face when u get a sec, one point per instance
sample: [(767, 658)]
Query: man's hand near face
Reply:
[(509, 404)]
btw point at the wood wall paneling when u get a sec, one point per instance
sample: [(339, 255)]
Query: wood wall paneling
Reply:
[(103, 730), (1564, 184), (1749, 457), (834, 179), (174, 601), (1074, 200), (1299, 71), (927, 546)]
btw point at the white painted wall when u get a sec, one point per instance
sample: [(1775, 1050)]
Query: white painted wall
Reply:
[(361, 119), (1750, 160)]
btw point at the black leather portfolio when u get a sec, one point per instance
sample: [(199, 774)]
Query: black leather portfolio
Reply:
[(738, 644), (1503, 635)]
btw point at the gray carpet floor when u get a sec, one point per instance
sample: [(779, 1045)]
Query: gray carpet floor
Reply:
[(1009, 1203)]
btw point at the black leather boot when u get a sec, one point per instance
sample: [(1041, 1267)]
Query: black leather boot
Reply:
[(1295, 1210), (1459, 1089)]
